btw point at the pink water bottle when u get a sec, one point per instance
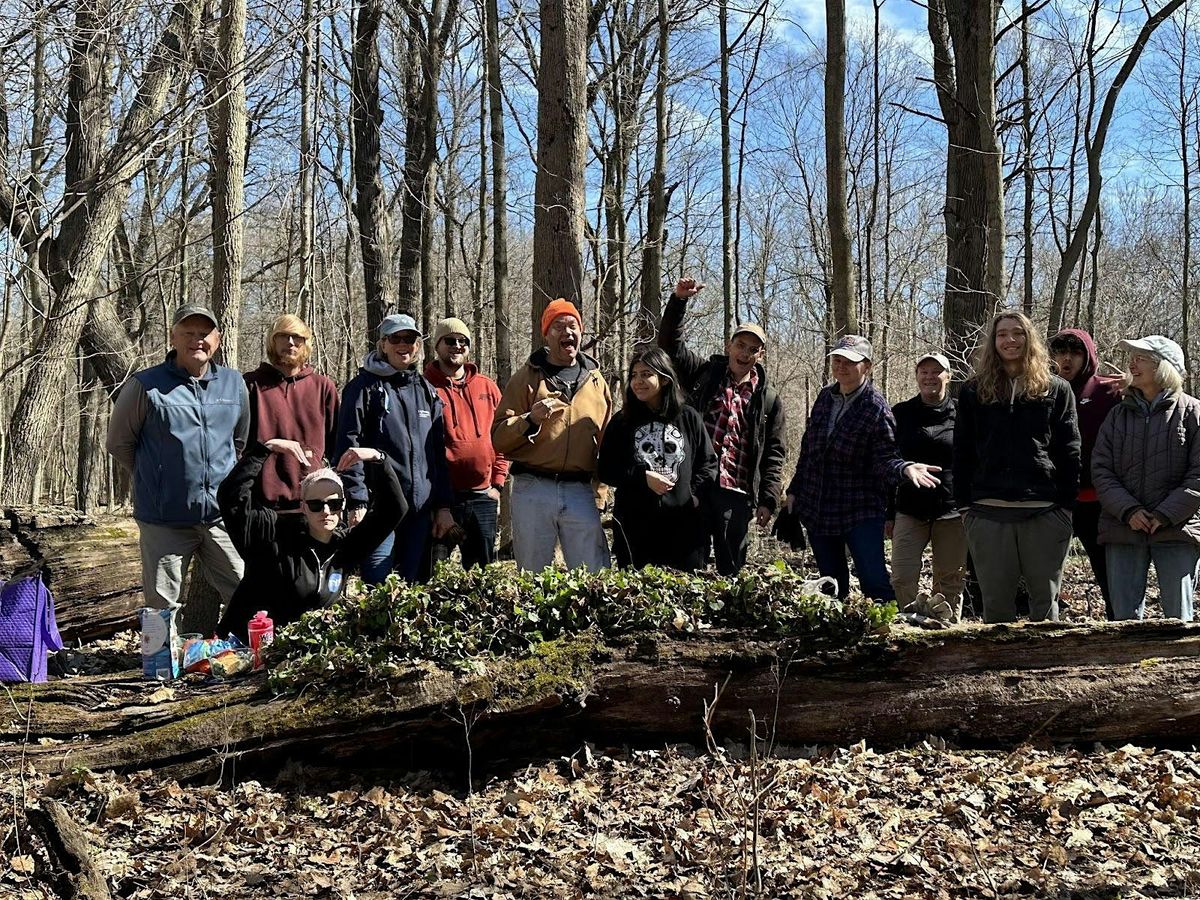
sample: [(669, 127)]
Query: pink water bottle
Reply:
[(262, 632)]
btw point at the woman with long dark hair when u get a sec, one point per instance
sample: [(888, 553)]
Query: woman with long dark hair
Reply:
[(661, 461)]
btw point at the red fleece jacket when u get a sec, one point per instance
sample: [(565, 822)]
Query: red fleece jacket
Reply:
[(302, 408), (470, 406)]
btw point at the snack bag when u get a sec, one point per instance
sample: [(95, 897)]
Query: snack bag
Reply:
[(160, 644)]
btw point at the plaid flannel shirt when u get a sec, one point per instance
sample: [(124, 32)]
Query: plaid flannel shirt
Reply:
[(844, 477), (726, 421)]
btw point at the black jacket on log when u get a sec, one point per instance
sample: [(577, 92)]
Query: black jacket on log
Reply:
[(925, 434), (701, 379), (288, 572)]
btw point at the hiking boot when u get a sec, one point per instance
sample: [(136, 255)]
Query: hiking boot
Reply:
[(939, 608)]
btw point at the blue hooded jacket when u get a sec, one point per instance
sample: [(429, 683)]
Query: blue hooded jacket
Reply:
[(400, 413)]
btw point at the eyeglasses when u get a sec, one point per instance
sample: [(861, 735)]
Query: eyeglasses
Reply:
[(456, 342), (292, 338), (409, 339), (333, 504)]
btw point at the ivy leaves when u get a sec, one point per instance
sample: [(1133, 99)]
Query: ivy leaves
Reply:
[(461, 618)]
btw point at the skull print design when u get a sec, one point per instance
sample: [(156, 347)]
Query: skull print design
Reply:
[(661, 447)]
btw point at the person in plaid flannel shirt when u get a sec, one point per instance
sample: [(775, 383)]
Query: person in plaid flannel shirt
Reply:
[(848, 466), (744, 418)]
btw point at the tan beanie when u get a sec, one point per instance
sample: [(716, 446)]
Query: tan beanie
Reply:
[(451, 326)]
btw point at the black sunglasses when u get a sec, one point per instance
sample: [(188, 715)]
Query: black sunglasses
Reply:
[(402, 338), (334, 504)]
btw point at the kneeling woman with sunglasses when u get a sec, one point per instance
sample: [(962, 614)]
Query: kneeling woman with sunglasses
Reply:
[(297, 563)]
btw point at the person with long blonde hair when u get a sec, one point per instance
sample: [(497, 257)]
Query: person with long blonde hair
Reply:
[(290, 401), (1016, 469)]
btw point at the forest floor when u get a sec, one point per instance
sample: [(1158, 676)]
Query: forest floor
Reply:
[(929, 820)]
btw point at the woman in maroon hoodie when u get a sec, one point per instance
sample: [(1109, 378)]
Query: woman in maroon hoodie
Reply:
[(1078, 363)]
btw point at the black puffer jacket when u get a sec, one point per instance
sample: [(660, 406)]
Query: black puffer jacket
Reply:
[(702, 378), (1027, 449), (925, 434), (287, 572)]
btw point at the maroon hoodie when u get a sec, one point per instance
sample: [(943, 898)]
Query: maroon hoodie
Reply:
[(1095, 395), (302, 408), (470, 406)]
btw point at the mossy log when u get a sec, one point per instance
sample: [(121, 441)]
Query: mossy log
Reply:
[(91, 564), (977, 685)]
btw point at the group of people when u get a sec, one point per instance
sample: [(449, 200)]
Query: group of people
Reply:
[(1023, 460), (233, 469)]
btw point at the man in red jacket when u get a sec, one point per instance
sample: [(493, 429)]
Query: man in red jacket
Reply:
[(477, 471), (1078, 363), (290, 400)]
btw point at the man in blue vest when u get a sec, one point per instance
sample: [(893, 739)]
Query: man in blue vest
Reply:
[(178, 428)]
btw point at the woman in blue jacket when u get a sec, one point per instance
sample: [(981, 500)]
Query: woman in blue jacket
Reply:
[(390, 406)]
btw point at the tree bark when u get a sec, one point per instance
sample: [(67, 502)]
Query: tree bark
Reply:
[(370, 201), (91, 565), (499, 195), (981, 685), (845, 315), (225, 83), (558, 209), (305, 300), (727, 260), (964, 70)]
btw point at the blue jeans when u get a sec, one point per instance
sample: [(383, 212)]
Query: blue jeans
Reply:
[(405, 551), (1177, 565), (865, 543), (547, 512)]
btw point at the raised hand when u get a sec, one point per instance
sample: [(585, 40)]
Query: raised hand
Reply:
[(293, 449), (686, 288)]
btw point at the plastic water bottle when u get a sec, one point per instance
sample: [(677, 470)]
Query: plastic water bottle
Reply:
[(262, 631)]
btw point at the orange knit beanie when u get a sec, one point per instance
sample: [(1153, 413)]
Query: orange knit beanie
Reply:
[(556, 308)]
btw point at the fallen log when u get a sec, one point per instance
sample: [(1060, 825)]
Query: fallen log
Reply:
[(975, 685), (91, 564), (72, 869)]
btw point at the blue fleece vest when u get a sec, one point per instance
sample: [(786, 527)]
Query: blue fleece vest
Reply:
[(186, 445)]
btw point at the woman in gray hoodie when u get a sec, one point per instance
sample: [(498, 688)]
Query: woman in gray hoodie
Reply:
[(1146, 469)]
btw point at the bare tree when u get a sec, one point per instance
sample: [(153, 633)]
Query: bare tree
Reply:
[(845, 317), (561, 155), (499, 195)]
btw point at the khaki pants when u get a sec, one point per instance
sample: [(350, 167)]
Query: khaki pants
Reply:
[(167, 552), (910, 537)]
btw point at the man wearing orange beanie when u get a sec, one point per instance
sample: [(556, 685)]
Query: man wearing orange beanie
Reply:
[(551, 418)]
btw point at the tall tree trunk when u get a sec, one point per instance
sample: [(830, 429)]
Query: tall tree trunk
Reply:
[(499, 196), (370, 201), (845, 318), (656, 203), (1026, 164), (561, 155), (727, 259), (1095, 154), (226, 96), (77, 256), (308, 108), (964, 65)]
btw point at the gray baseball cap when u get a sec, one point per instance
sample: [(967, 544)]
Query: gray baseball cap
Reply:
[(398, 322), (853, 347), (194, 309), (1162, 347)]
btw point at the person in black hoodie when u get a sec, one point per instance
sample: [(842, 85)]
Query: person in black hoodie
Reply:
[(1016, 469), (298, 563), (1078, 363), (659, 458), (920, 516)]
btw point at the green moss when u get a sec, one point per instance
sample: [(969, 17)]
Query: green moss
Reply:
[(564, 668)]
